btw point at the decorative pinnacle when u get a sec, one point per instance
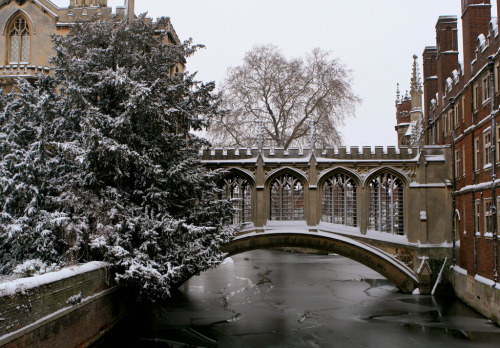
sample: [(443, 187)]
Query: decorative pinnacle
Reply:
[(416, 83), (260, 135), (398, 95), (312, 135)]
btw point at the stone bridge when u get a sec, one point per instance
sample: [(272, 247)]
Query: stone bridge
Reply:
[(387, 208)]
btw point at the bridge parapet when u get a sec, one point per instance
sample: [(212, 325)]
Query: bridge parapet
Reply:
[(337, 153)]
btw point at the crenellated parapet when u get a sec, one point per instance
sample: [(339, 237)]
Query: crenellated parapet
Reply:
[(341, 153)]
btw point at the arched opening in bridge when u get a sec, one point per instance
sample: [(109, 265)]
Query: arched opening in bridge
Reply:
[(287, 198), (339, 200), (238, 189), (388, 266), (386, 204)]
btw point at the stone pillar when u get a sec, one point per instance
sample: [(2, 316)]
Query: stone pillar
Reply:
[(362, 196), (314, 199), (261, 207)]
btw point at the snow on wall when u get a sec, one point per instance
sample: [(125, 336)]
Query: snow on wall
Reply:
[(21, 285)]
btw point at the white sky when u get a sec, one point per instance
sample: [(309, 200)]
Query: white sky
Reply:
[(375, 39)]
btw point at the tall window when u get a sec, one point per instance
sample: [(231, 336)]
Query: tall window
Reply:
[(463, 109), (20, 42), (498, 143), (477, 220), (450, 120), (287, 198), (477, 151), (339, 200), (240, 191), (496, 77), (488, 218), (458, 167), (475, 97), (486, 88), (386, 204), (463, 162), (487, 147)]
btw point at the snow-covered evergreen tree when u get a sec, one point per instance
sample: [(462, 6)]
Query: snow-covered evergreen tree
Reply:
[(98, 163)]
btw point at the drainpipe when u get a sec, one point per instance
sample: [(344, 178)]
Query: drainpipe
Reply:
[(491, 65), (454, 182)]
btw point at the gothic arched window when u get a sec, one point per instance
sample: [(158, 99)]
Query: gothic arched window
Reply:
[(20, 41), (239, 189), (339, 200), (287, 198), (386, 204)]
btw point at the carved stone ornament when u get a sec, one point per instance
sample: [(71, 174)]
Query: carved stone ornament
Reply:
[(363, 172)]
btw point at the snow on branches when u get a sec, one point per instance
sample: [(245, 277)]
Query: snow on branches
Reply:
[(97, 162)]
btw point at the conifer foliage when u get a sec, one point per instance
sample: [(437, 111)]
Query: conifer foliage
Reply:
[(97, 162)]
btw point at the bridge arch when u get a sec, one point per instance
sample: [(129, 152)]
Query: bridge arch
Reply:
[(290, 170), (322, 176), (241, 172), (339, 191), (395, 271), (393, 171)]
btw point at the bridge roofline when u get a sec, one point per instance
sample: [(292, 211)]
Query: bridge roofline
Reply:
[(353, 154)]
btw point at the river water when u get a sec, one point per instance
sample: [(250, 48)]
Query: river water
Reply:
[(270, 298)]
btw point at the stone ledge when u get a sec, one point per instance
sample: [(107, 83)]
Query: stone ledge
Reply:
[(69, 308), (482, 297)]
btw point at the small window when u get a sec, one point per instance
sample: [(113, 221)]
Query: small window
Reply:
[(20, 41), (456, 119)]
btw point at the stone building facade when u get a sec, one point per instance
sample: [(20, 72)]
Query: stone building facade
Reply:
[(461, 109), (27, 26)]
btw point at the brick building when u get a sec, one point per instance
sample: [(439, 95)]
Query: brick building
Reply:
[(461, 109)]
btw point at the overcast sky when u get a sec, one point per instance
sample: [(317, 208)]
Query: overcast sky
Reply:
[(375, 39)]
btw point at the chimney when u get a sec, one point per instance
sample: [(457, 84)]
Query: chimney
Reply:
[(430, 78), (447, 50), (476, 17)]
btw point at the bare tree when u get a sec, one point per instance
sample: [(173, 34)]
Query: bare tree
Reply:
[(286, 96)]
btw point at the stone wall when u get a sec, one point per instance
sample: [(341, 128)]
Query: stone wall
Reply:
[(480, 294), (69, 308)]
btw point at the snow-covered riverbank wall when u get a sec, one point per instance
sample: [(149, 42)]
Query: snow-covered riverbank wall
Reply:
[(478, 292), (68, 308)]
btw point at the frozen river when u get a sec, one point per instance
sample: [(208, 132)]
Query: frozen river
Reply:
[(270, 298)]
